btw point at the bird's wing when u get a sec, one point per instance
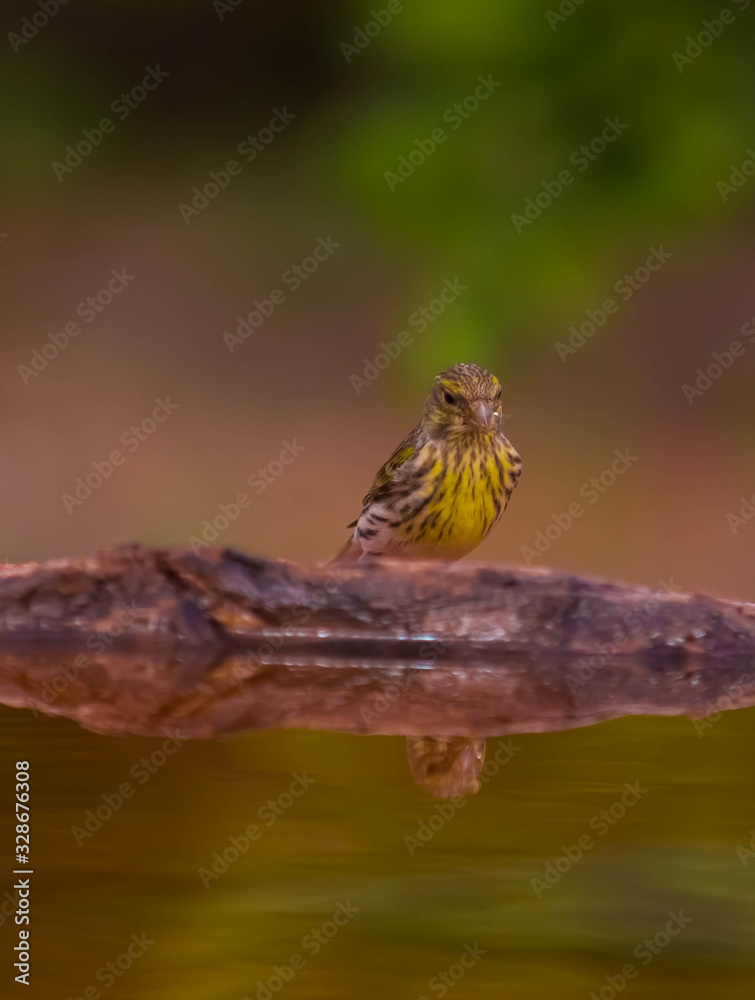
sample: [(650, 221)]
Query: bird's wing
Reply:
[(384, 479)]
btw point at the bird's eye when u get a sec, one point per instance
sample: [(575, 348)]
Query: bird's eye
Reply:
[(449, 398)]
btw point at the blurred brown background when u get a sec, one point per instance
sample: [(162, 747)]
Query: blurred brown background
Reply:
[(323, 176)]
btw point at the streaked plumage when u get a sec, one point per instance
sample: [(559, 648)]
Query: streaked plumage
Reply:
[(446, 486), (446, 766)]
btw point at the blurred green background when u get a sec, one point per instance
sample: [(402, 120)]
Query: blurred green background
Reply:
[(365, 90)]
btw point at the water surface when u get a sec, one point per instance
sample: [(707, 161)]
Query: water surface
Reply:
[(336, 827)]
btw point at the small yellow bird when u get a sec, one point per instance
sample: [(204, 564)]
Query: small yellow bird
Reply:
[(447, 484)]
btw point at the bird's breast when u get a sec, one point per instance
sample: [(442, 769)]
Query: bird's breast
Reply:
[(462, 495)]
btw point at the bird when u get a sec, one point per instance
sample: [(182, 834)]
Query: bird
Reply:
[(446, 766), (447, 484)]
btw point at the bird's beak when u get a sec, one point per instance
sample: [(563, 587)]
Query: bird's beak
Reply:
[(482, 412)]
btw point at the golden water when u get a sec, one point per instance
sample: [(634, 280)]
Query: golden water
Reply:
[(349, 844)]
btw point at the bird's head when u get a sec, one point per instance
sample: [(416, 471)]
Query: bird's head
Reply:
[(464, 400)]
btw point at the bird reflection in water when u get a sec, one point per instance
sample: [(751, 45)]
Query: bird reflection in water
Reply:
[(446, 766)]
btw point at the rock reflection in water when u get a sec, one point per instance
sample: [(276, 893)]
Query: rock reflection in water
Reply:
[(206, 693)]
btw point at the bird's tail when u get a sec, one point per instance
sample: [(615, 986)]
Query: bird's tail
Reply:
[(351, 551)]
